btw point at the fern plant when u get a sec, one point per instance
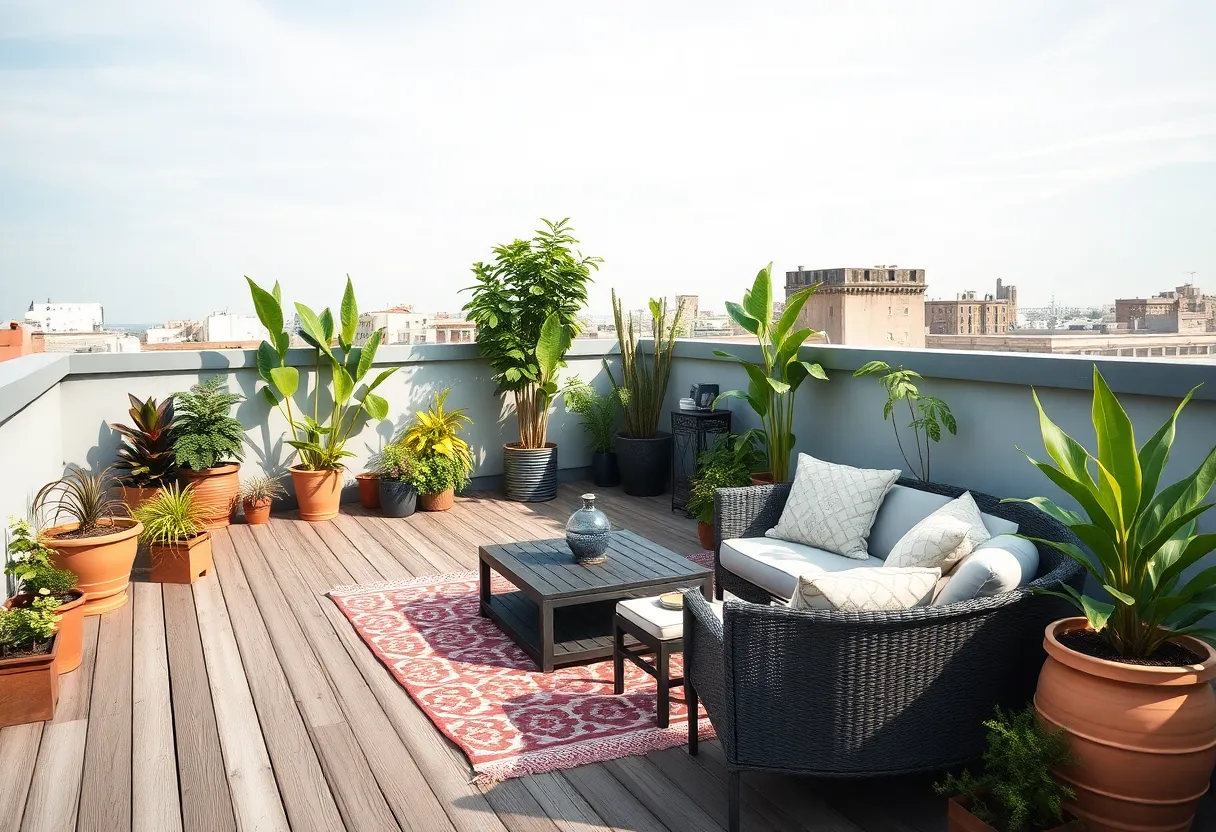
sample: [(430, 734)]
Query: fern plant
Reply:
[(598, 412), (206, 435), (1017, 791), (929, 413), (172, 516)]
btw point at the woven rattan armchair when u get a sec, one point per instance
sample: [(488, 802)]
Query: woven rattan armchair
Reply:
[(833, 694)]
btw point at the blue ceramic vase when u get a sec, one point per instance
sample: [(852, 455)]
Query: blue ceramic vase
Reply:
[(587, 533)]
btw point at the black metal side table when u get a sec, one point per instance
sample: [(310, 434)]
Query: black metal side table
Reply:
[(692, 431)]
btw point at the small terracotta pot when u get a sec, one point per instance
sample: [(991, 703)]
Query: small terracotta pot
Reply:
[(257, 512), (217, 490), (960, 819), (762, 478), (1144, 737), (70, 616), (102, 564), (181, 563), (319, 493), (439, 501), (369, 489), (29, 687), (134, 496), (705, 534)]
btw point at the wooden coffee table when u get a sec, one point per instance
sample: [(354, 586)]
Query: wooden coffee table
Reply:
[(562, 613)]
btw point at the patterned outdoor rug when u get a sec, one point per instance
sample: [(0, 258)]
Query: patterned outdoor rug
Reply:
[(487, 696)]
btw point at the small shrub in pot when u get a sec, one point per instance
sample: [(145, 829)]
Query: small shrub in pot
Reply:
[(29, 565), (258, 494), (729, 463), (395, 467), (175, 530), (29, 675), (599, 415)]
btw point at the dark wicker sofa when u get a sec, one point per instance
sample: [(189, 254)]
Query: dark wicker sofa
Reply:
[(835, 694)]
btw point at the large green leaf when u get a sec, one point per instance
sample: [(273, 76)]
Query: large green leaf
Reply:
[(740, 316), (313, 328), (758, 302), (268, 359), (552, 345), (344, 384), (1081, 492), (282, 343), (1192, 550), (789, 316), (376, 406), (1179, 498), (1073, 551), (349, 315), (1156, 453), (758, 405), (270, 312), (286, 380), (1049, 508), (1066, 451), (368, 354), (1101, 544), (1117, 447), (381, 377), (787, 348)]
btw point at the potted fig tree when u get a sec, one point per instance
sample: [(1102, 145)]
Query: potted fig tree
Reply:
[(598, 412), (526, 305), (29, 654), (1129, 680), (320, 440), (146, 460), (29, 564), (175, 529), (643, 451), (209, 445)]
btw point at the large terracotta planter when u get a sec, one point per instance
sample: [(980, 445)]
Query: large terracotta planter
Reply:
[(960, 819), (134, 496), (102, 564), (369, 490), (705, 534), (439, 501), (216, 489), (257, 512), (70, 616), (1144, 737), (762, 478), (29, 687), (319, 493), (181, 563)]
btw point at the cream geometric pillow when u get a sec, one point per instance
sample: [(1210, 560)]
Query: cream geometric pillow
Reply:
[(866, 590), (943, 538), (832, 507)]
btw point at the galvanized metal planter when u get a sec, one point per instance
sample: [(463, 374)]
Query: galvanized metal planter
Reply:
[(530, 474)]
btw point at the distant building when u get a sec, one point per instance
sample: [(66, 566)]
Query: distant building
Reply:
[(968, 314), (1008, 293), (65, 317), (1198, 346), (86, 342), (879, 306), (224, 326), (1184, 310), (401, 325), (445, 330)]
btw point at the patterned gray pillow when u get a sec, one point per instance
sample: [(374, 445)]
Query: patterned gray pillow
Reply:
[(943, 538), (833, 506), (866, 590)]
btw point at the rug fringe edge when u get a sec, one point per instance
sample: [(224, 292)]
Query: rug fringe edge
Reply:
[(346, 590)]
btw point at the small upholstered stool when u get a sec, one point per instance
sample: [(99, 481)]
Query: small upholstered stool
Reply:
[(659, 632)]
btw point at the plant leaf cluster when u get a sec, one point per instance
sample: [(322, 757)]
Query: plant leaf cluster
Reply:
[(29, 564), (729, 463), (82, 496), (773, 382), (395, 463), (929, 413), (436, 430), (146, 458), (205, 434), (598, 413), (436, 473), (261, 487), (27, 627), (174, 515), (642, 389)]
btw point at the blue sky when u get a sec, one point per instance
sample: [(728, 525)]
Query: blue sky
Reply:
[(152, 153)]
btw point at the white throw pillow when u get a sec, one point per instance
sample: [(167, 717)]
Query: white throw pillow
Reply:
[(1002, 564), (832, 506), (866, 590), (927, 543)]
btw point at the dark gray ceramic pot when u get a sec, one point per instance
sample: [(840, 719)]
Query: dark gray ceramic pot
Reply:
[(645, 463), (397, 499), (604, 471), (529, 474)]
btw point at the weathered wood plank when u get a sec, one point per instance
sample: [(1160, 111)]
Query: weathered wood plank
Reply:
[(55, 791), (76, 688), (612, 800), (563, 804), (155, 800), (666, 802), (18, 755), (206, 803), (105, 794), (517, 808)]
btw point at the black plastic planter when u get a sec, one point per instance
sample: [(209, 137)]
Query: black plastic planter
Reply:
[(604, 471), (397, 499), (645, 464), (529, 474)]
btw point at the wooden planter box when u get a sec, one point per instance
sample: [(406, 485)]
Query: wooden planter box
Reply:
[(181, 563), (29, 687), (961, 820)]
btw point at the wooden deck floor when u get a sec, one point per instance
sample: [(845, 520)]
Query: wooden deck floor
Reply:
[(248, 702)]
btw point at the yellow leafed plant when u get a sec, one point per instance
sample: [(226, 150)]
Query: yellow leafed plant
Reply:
[(437, 431)]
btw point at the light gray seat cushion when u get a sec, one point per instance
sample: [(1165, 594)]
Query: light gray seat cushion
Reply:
[(904, 507), (774, 565), (1002, 564), (652, 617)]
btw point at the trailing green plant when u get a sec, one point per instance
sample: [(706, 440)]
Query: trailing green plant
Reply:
[(598, 412), (320, 441), (436, 430), (25, 629), (526, 304), (29, 564), (172, 516), (1017, 791), (395, 463), (1142, 539), (81, 496), (260, 487), (642, 389), (929, 413), (146, 458), (206, 435), (773, 382), (435, 473), (728, 463)]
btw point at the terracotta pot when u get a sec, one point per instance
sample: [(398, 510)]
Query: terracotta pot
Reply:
[(257, 512), (369, 489), (319, 493), (134, 496), (217, 490), (70, 616), (762, 478), (102, 564), (181, 563), (960, 819), (439, 501), (1144, 737), (705, 534), (29, 687)]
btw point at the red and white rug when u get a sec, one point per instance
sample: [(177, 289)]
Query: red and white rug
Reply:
[(486, 695)]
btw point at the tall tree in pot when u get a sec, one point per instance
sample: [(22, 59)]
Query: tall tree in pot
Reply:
[(643, 451), (526, 304)]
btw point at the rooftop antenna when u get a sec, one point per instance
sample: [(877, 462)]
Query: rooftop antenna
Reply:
[(1191, 282)]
